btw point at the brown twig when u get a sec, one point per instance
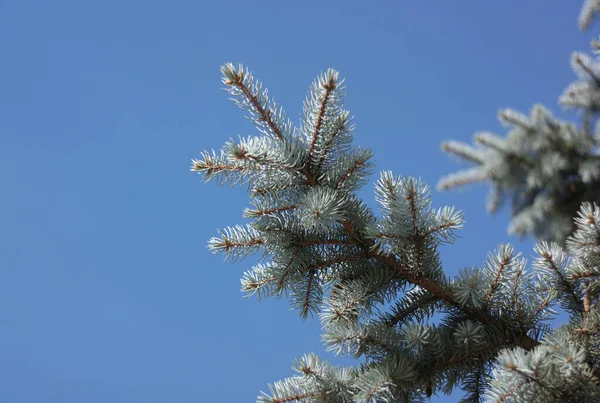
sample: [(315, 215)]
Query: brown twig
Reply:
[(265, 115)]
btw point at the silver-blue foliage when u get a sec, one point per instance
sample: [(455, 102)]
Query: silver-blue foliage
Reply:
[(376, 280)]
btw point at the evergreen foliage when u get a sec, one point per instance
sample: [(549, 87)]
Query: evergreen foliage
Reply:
[(545, 166), (376, 280)]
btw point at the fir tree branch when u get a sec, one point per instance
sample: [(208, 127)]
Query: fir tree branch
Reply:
[(585, 67), (227, 245), (496, 282), (436, 289), (286, 272), (306, 305), (516, 284), (463, 178), (240, 153), (253, 286), (441, 227), (543, 306), (329, 86), (329, 143), (372, 394), (566, 285), (531, 378), (358, 163), (274, 210), (359, 274), (401, 315), (417, 238), (432, 286), (210, 167), (463, 151), (369, 340), (413, 209), (265, 115)]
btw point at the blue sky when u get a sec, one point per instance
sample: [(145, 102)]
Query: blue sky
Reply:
[(107, 290)]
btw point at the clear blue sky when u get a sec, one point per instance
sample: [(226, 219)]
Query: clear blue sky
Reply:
[(107, 290)]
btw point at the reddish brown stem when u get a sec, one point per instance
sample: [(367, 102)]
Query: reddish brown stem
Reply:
[(265, 115)]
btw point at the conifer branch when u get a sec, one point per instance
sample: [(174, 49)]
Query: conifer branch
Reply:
[(210, 167), (286, 272), (566, 285), (463, 151), (327, 147), (227, 245), (506, 259), (274, 210), (253, 286), (237, 80), (371, 394), (357, 164), (334, 256), (329, 86), (306, 305), (432, 231), (401, 315), (463, 178), (581, 63), (531, 378), (434, 288), (543, 306)]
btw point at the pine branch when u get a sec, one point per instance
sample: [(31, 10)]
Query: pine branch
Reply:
[(306, 305), (329, 86), (252, 287), (358, 163), (531, 378), (402, 313), (340, 127), (464, 151), (567, 286), (462, 178), (439, 228), (506, 259), (330, 252), (286, 272), (235, 78), (265, 212), (588, 11), (214, 166), (237, 242), (444, 295)]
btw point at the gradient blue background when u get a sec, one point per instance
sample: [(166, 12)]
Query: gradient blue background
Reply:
[(107, 291)]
